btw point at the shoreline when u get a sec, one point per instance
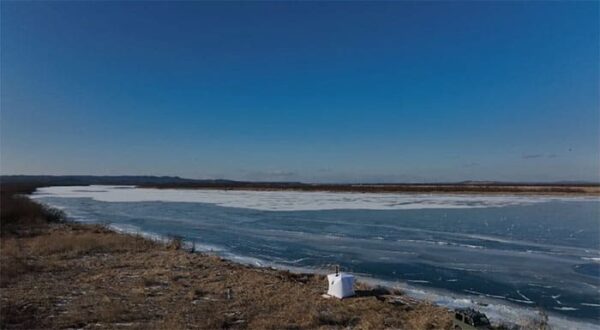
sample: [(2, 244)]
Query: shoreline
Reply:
[(82, 271), (502, 313), (533, 190), (380, 298), (374, 298), (590, 194), (452, 298), (62, 274)]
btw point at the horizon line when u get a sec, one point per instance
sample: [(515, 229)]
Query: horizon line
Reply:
[(201, 180)]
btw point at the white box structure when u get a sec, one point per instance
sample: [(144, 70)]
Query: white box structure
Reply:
[(341, 285)]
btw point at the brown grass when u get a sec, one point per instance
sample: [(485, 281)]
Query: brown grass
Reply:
[(20, 215), (76, 243), (12, 260), (74, 276)]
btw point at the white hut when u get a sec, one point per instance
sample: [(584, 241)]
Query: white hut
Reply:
[(341, 285)]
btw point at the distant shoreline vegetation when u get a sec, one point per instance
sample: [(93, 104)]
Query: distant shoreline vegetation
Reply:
[(395, 188), (172, 182)]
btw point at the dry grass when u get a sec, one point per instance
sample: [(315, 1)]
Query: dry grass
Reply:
[(13, 262), (77, 243), (20, 215), (74, 276)]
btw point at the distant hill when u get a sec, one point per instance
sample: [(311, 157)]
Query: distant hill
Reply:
[(529, 183), (178, 182), (69, 180), (137, 180)]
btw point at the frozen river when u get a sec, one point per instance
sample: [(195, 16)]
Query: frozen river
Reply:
[(505, 254)]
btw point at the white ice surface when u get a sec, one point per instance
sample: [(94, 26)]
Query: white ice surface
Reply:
[(296, 200)]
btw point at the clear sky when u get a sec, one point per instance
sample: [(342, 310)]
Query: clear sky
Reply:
[(339, 91)]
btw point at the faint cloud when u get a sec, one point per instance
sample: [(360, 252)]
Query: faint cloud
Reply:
[(471, 164), (281, 173), (270, 175), (533, 156)]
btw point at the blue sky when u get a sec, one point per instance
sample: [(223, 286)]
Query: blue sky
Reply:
[(334, 92)]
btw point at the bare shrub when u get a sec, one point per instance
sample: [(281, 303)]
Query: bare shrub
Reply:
[(175, 242), (19, 212)]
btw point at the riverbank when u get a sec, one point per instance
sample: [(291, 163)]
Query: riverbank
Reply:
[(57, 274), (80, 276)]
